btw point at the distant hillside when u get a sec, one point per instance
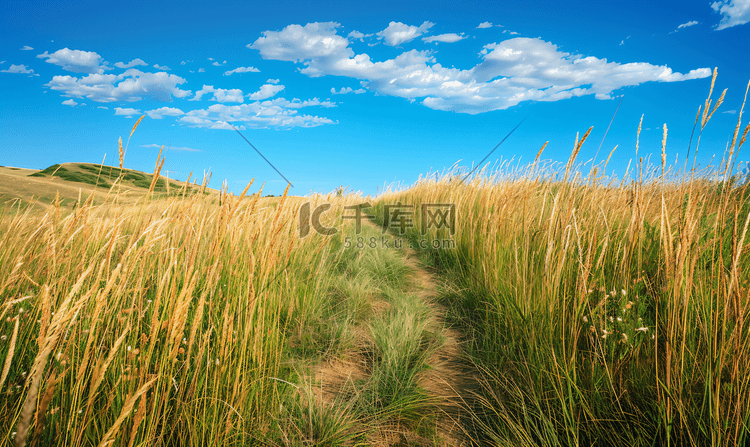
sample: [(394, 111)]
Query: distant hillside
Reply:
[(104, 176), (25, 187)]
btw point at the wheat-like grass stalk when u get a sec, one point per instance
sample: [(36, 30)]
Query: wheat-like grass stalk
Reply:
[(110, 437), (11, 351), (122, 155)]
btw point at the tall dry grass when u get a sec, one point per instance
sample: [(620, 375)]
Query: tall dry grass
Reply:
[(600, 311), (161, 323)]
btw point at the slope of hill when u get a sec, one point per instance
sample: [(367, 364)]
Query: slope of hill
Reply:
[(72, 181)]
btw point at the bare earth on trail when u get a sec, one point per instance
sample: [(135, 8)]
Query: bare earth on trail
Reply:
[(448, 381)]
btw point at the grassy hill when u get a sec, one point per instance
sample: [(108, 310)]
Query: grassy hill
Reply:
[(39, 188)]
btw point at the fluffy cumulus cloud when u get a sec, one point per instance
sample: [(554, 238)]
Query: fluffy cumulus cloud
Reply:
[(513, 71), (133, 63), (266, 91), (278, 113), (70, 102), (161, 112), (20, 69), (241, 70), (128, 112), (398, 33), (219, 94), (26, 48), (272, 81), (485, 25), (447, 38), (345, 90), (132, 85), (734, 12), (76, 61), (161, 67), (358, 35)]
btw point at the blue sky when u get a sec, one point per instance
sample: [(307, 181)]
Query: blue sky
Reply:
[(361, 96)]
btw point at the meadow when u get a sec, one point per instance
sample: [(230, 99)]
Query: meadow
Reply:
[(571, 309)]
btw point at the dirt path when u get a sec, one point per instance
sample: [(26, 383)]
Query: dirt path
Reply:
[(451, 378), (448, 381)]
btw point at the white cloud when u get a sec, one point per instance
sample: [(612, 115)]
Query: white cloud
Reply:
[(161, 67), (171, 148), (398, 33), (127, 112), (210, 58), (272, 81), (103, 107), (358, 35), (266, 91), (241, 70), (731, 112), (298, 104), (735, 12), (76, 61), (2, 62), (295, 43), (690, 23), (514, 71), (133, 63), (157, 114), (345, 90), (201, 70), (26, 48), (447, 38), (70, 102), (278, 113), (512, 33), (219, 94), (219, 64), (485, 25), (20, 69), (131, 85)]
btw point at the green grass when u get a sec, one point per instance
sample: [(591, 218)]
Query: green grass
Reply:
[(600, 314), (77, 177)]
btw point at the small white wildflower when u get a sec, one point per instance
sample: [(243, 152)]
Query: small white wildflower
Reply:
[(217, 362), (611, 319), (619, 319), (642, 329), (149, 301), (13, 435), (585, 320), (589, 291), (80, 411), (624, 293), (4, 337), (20, 311), (605, 331), (129, 348), (184, 341)]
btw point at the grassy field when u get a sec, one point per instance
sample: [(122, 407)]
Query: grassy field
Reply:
[(561, 309), (601, 312)]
